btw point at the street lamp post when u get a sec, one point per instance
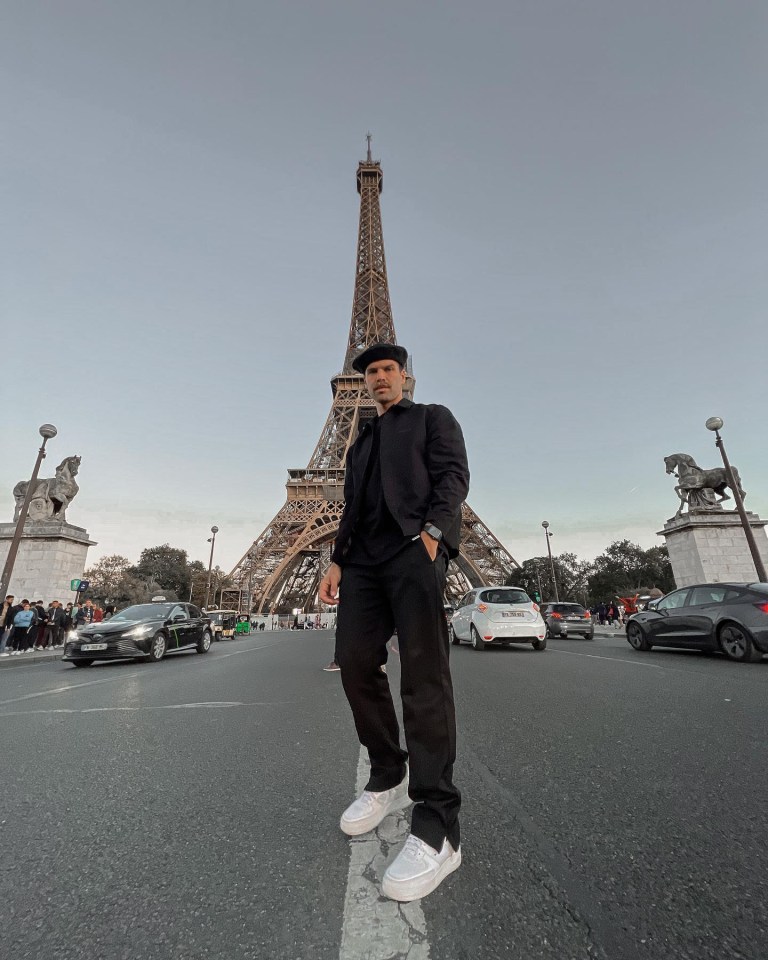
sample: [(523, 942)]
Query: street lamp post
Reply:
[(47, 432), (212, 541), (547, 534), (715, 424)]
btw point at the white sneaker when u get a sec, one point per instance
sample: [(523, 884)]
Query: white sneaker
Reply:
[(4, 654), (418, 870), (367, 812)]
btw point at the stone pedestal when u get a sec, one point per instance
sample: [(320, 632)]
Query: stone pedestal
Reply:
[(51, 554), (712, 547)]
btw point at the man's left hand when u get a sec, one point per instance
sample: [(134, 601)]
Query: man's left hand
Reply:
[(431, 544)]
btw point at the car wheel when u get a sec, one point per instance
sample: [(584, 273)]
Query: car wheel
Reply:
[(81, 663), (637, 639), (548, 634), (477, 641), (452, 635), (204, 643), (736, 644), (158, 647), (540, 644)]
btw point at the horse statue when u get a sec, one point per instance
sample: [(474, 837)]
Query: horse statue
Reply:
[(700, 488), (50, 498)]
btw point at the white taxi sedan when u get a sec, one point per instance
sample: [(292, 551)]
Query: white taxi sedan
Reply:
[(499, 616)]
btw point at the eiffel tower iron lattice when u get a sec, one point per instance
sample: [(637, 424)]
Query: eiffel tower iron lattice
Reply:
[(281, 570)]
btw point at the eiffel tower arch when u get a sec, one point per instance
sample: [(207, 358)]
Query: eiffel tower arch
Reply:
[(281, 570)]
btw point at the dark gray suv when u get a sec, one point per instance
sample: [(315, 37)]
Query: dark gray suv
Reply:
[(568, 619)]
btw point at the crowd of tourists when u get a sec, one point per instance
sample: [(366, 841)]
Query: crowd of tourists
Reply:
[(30, 625), (609, 613)]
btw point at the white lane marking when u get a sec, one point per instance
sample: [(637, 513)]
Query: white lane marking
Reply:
[(374, 927), (125, 676), (215, 704), (275, 643), (594, 656), (71, 686)]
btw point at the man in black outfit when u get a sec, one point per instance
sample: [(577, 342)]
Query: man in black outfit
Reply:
[(406, 478)]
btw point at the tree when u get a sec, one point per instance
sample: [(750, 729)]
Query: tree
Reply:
[(168, 567), (198, 574), (625, 569), (105, 577), (535, 578)]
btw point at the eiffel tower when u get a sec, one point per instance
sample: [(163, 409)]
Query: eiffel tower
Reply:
[(281, 570)]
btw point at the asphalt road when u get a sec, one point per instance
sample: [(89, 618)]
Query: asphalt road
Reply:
[(614, 807)]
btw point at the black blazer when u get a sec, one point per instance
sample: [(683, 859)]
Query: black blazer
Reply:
[(424, 473), (56, 616)]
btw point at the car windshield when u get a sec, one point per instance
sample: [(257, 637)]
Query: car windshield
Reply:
[(567, 608), (504, 596), (144, 611), (214, 617)]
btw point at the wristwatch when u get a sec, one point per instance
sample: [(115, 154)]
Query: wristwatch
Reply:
[(435, 532)]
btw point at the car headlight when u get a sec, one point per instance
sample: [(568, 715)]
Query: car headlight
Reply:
[(72, 635), (140, 631)]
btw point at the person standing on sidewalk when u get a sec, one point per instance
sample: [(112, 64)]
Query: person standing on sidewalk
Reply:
[(42, 620), (54, 629), (84, 614), (406, 478), (7, 612), (24, 629)]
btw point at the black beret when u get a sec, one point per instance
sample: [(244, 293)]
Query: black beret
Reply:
[(380, 351)]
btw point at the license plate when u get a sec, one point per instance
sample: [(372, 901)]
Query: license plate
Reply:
[(93, 646), (573, 619), (512, 613)]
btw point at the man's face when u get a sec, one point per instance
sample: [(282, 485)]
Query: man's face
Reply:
[(384, 380), (89, 603)]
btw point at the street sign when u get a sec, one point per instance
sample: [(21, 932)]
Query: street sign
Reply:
[(83, 586), (74, 584)]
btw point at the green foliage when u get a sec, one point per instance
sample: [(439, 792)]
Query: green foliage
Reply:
[(622, 570), (625, 569), (535, 576), (105, 578), (168, 567)]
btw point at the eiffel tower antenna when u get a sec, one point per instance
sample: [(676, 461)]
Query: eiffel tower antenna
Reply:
[(281, 570)]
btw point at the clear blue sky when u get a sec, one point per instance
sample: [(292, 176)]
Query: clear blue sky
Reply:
[(574, 209)]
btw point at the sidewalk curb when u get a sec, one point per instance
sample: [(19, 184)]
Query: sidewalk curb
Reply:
[(24, 660)]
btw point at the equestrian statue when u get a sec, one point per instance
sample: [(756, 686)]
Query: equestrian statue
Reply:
[(51, 497), (700, 488)]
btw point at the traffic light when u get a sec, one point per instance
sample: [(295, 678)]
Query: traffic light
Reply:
[(536, 596)]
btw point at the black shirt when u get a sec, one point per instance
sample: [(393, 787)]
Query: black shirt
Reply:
[(376, 536)]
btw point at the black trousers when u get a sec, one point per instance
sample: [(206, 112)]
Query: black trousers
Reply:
[(405, 592)]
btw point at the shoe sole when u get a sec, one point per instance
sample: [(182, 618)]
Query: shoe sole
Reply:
[(358, 827), (401, 892)]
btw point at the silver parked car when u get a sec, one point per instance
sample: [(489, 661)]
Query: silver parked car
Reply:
[(568, 620)]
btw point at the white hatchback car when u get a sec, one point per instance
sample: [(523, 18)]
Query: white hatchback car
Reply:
[(498, 616)]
